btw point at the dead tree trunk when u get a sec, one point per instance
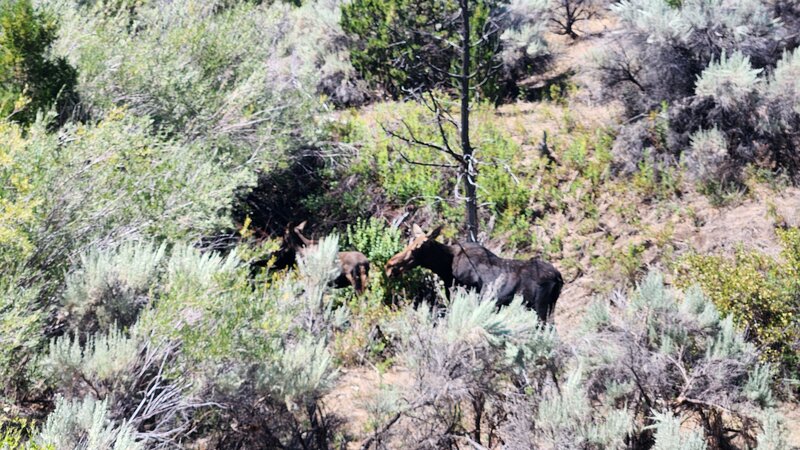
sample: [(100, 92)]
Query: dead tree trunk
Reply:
[(468, 167)]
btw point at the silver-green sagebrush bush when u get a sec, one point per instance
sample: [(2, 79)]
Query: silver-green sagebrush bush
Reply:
[(130, 376), (703, 65), (20, 333), (669, 436), (94, 185), (644, 365), (473, 358), (111, 286), (84, 425), (240, 78), (664, 355), (257, 357)]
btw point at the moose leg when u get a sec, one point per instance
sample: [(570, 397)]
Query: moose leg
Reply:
[(543, 299), (352, 280), (363, 278)]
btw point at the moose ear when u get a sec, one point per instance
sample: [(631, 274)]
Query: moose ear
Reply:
[(416, 231), (435, 232)]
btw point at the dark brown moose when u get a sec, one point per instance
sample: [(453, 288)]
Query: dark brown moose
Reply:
[(354, 265), (473, 266), (281, 258)]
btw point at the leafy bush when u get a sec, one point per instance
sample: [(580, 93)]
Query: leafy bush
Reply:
[(83, 424), (257, 357), (660, 50), (117, 180), (130, 375), (657, 355), (21, 323), (503, 177), (31, 81), (15, 433), (708, 154), (514, 29), (712, 62), (475, 358), (111, 286), (19, 181), (760, 293), (230, 75), (643, 364), (103, 364)]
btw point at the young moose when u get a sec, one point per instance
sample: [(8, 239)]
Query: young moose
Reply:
[(354, 265), (473, 266)]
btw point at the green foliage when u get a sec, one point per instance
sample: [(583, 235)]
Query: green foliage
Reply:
[(760, 292), (504, 177), (20, 327), (668, 434), (730, 80), (723, 55), (377, 241), (83, 424), (15, 436), (111, 286), (467, 354), (30, 80), (673, 344), (230, 77), (18, 194), (398, 42), (774, 436), (303, 372), (105, 362), (116, 179), (567, 420)]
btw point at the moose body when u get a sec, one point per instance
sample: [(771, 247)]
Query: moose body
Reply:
[(354, 265), (355, 271), (471, 265)]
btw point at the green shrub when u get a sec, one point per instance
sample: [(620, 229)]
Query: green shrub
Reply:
[(31, 81), (377, 241), (397, 42), (21, 179), (262, 354), (694, 360), (83, 424), (504, 176), (105, 363), (21, 321), (15, 435), (110, 287), (235, 77), (760, 292), (117, 180)]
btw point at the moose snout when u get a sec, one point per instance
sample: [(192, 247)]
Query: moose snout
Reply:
[(392, 271)]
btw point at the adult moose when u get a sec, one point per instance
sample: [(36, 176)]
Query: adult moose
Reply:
[(354, 265), (473, 266)]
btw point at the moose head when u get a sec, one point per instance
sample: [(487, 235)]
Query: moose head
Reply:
[(354, 265), (415, 251)]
